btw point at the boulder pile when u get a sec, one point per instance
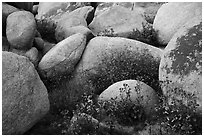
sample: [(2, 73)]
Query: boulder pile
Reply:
[(106, 68)]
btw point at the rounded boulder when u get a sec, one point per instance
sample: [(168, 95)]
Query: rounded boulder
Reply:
[(21, 29), (173, 15), (131, 92), (63, 57), (24, 96), (180, 69)]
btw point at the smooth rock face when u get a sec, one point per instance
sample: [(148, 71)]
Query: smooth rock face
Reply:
[(63, 57), (6, 10), (24, 96), (119, 21), (181, 67), (21, 29), (133, 92), (63, 33), (171, 16)]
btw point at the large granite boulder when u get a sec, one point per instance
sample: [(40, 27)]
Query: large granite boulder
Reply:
[(119, 21), (107, 60), (24, 96), (181, 67), (171, 16)]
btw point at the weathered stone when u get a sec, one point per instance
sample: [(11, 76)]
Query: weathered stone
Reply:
[(50, 12), (107, 60), (77, 17), (181, 67), (24, 96), (21, 29), (62, 58), (119, 21), (132, 93), (62, 33), (32, 54), (171, 16)]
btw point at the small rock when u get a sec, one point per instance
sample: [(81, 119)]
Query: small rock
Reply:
[(62, 33), (180, 70), (35, 9), (24, 96), (171, 16), (32, 54), (21, 29), (62, 58)]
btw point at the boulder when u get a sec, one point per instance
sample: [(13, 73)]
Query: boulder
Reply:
[(127, 94), (6, 10), (171, 16), (77, 17), (107, 60), (21, 29), (62, 33), (119, 21), (49, 12), (24, 96), (62, 58), (180, 70)]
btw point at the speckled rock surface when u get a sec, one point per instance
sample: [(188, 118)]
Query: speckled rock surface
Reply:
[(119, 21), (21, 29), (132, 92), (181, 67), (63, 57), (24, 96)]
